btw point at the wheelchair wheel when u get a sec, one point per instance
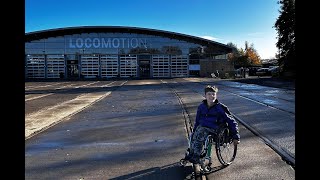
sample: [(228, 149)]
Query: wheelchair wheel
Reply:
[(225, 149)]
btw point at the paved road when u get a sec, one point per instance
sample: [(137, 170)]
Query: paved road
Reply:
[(270, 113), (135, 129)]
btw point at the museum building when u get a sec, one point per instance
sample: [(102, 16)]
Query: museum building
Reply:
[(115, 51)]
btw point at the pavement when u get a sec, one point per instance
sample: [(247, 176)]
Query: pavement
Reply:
[(94, 143), (268, 81)]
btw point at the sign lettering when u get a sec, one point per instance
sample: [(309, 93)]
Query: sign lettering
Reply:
[(107, 43)]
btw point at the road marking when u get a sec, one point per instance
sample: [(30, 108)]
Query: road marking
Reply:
[(86, 84), (28, 98), (64, 87), (37, 87), (36, 97), (43, 119), (107, 85)]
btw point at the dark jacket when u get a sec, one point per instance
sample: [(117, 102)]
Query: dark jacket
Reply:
[(215, 115)]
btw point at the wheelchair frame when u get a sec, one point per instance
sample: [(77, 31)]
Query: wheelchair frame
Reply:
[(225, 149)]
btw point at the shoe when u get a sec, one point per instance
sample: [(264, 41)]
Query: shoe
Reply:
[(197, 169), (194, 159), (203, 155), (188, 157)]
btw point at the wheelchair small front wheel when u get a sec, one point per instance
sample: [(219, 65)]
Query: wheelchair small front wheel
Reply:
[(183, 162), (207, 168)]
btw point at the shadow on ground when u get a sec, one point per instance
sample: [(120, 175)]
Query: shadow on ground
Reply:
[(170, 172)]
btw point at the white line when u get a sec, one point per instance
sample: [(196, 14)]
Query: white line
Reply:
[(123, 83), (36, 87), (43, 119), (108, 84), (86, 84), (40, 96), (36, 97), (64, 87)]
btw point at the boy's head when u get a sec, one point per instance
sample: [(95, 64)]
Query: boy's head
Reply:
[(210, 88)]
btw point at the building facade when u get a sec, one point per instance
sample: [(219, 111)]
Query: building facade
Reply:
[(112, 51)]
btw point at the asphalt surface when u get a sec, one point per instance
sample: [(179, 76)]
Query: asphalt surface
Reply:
[(276, 82), (138, 130)]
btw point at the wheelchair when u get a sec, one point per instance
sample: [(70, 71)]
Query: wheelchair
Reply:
[(225, 149)]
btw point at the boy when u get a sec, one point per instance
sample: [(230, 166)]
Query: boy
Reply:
[(209, 115)]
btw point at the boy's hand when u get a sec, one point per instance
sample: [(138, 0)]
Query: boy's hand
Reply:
[(235, 141)]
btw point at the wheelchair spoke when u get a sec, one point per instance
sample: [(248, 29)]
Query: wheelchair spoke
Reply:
[(226, 150)]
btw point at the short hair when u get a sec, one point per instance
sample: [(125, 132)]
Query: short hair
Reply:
[(210, 88)]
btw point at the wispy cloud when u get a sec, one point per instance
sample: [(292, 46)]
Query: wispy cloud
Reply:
[(210, 38), (256, 34)]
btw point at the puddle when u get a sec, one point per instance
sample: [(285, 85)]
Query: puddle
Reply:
[(43, 147), (268, 101), (246, 94), (245, 86), (158, 140), (272, 91), (101, 144)]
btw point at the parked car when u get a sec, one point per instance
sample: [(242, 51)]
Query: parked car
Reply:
[(263, 72), (274, 70), (253, 70)]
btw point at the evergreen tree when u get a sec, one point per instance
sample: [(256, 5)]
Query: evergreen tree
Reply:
[(235, 54), (285, 26)]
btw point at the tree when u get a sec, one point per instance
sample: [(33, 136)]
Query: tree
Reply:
[(235, 54), (244, 57), (251, 53), (285, 26)]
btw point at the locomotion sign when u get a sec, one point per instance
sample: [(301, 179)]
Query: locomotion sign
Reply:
[(107, 43)]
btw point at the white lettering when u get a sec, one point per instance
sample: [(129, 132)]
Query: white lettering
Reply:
[(88, 42), (123, 39), (114, 44), (134, 44), (79, 43), (96, 42), (70, 44), (143, 43), (108, 43)]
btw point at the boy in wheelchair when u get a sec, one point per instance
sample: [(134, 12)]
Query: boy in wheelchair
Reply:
[(210, 115)]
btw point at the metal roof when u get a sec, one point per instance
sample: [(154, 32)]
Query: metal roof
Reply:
[(37, 35)]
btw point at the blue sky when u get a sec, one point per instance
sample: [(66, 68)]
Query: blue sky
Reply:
[(223, 21)]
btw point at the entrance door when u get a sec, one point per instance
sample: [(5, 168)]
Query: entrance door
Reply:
[(144, 66), (73, 69)]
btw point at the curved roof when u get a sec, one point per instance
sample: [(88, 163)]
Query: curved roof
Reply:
[(37, 35)]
